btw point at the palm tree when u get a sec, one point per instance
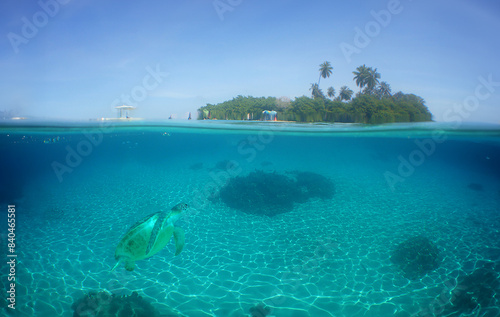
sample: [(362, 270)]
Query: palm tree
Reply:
[(330, 92), (398, 96), (345, 93), (366, 76), (372, 78), (316, 92), (384, 89), (325, 70), (360, 75)]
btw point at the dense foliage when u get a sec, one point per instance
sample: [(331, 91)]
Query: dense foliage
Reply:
[(238, 108), (365, 108), (374, 103)]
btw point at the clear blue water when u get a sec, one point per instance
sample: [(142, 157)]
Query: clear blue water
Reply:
[(78, 187)]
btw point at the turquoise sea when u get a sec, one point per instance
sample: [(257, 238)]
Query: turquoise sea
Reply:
[(284, 219)]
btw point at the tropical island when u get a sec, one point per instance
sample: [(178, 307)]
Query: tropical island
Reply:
[(374, 103)]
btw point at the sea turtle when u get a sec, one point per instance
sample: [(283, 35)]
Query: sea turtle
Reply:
[(149, 236)]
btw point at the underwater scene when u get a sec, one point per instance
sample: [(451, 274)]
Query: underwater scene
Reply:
[(249, 219)]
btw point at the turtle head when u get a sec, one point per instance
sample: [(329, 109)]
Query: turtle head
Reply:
[(180, 208)]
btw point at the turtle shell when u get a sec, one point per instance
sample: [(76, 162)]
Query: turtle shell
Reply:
[(148, 236), (134, 244)]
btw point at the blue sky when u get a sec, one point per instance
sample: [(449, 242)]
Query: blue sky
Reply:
[(78, 59)]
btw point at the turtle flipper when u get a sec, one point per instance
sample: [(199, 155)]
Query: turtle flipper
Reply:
[(155, 232), (179, 240), (129, 265), (116, 265)]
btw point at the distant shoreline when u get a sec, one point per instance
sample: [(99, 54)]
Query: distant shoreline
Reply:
[(364, 108)]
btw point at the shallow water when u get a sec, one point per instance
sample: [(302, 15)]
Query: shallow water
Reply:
[(78, 187)]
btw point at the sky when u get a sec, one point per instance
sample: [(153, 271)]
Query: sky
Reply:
[(68, 59)]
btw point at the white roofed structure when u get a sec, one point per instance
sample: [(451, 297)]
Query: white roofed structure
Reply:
[(124, 110)]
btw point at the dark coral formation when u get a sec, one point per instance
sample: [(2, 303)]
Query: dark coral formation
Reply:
[(103, 304), (479, 289), (259, 310), (260, 193), (196, 166), (476, 187), (54, 213), (225, 165), (416, 257), (272, 193), (314, 185), (477, 293)]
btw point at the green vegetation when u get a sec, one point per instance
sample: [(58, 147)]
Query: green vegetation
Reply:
[(325, 70), (374, 103)]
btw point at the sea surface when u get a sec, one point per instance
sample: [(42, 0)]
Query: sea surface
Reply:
[(409, 225)]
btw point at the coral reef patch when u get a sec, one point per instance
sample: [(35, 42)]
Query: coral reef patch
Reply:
[(225, 165), (476, 290), (104, 304), (196, 167), (314, 185), (477, 293), (270, 194), (416, 257), (259, 310), (475, 186)]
